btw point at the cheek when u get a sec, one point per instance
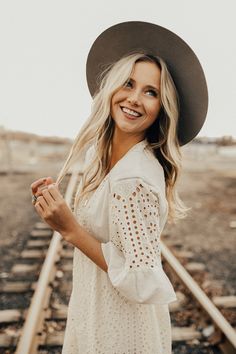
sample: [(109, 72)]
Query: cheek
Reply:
[(117, 98), (114, 99), (112, 109), (153, 111)]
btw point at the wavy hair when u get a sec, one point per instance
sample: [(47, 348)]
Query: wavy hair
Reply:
[(98, 131)]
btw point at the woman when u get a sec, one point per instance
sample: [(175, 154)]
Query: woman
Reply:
[(119, 302)]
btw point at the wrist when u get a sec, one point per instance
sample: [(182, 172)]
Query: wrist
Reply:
[(70, 234)]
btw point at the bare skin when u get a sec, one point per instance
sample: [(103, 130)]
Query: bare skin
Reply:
[(141, 94)]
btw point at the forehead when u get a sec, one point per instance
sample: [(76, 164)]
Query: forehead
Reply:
[(147, 73)]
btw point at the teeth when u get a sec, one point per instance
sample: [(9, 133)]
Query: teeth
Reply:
[(129, 111)]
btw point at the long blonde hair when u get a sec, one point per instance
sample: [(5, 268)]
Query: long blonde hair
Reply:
[(99, 128)]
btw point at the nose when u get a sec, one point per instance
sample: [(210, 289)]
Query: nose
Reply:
[(134, 98)]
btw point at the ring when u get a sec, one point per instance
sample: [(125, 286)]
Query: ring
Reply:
[(34, 199)]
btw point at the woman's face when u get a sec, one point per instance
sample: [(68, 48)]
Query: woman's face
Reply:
[(135, 106)]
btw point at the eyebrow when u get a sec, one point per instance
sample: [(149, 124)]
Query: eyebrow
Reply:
[(148, 86)]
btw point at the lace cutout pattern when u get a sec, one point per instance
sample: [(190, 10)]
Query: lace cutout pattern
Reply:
[(135, 223)]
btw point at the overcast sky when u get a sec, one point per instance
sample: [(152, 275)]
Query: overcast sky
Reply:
[(44, 46)]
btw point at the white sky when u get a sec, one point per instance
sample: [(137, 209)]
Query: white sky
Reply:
[(44, 45)]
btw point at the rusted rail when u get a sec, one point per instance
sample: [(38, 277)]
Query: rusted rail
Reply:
[(228, 345)]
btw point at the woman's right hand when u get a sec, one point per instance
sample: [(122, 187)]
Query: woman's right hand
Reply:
[(40, 184)]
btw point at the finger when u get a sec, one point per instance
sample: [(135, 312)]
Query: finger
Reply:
[(44, 186), (42, 202), (34, 186), (42, 181), (40, 190), (39, 209), (54, 191), (49, 180), (48, 197)]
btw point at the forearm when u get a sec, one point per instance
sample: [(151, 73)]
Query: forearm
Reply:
[(87, 244)]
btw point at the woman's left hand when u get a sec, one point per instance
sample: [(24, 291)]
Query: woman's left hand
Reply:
[(53, 209)]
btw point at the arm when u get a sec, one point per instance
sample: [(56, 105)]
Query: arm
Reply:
[(86, 243), (133, 254)]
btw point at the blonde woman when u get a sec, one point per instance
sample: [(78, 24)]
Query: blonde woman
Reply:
[(149, 98)]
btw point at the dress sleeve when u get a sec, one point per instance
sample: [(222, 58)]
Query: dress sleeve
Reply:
[(133, 253)]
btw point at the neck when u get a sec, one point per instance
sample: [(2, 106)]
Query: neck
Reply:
[(121, 143)]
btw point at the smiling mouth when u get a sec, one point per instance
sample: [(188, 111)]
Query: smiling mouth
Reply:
[(130, 112)]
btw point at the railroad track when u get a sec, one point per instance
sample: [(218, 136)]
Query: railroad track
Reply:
[(42, 276)]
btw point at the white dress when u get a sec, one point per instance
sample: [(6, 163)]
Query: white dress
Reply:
[(123, 311)]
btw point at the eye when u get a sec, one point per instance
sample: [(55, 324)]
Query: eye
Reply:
[(128, 83), (152, 93)]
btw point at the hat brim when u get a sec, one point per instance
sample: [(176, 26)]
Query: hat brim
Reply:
[(187, 73)]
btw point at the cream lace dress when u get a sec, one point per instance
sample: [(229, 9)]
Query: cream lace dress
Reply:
[(123, 311)]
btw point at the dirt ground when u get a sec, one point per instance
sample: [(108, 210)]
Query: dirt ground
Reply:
[(17, 214), (207, 185)]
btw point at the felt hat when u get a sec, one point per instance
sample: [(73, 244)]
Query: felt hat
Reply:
[(187, 73)]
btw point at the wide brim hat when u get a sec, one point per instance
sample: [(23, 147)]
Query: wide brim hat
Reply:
[(186, 71)]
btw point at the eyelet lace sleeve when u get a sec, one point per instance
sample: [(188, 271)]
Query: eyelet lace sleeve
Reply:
[(133, 253)]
